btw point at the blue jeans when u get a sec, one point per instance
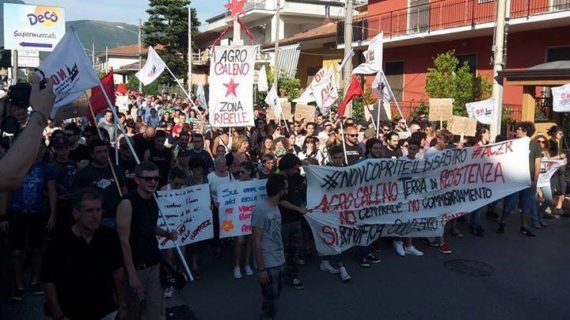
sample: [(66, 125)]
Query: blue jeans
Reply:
[(271, 291), (476, 216), (524, 200), (548, 202)]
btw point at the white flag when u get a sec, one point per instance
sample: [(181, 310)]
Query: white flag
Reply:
[(152, 68), (308, 95), (380, 80), (373, 57), (262, 85), (201, 95), (346, 58), (482, 110), (272, 99), (326, 92), (561, 98), (70, 69)]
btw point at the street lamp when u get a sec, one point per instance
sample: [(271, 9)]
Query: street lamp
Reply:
[(140, 47)]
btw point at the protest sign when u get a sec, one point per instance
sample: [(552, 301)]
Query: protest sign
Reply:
[(186, 211), (356, 205), (440, 109), (286, 109), (482, 110), (231, 86), (547, 170), (462, 126), (122, 103), (561, 98), (237, 202), (303, 111)]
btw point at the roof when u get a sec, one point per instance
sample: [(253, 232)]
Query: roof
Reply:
[(325, 31), (129, 50), (550, 73)]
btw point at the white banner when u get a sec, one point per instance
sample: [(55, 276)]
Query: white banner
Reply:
[(561, 98), (237, 202), (272, 100), (355, 205), (188, 212), (231, 86), (482, 110), (326, 91), (262, 85), (382, 93), (70, 69), (547, 170), (152, 69)]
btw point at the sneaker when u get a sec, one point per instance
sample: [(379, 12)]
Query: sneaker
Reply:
[(525, 232), (344, 276), (17, 295), (248, 270), (536, 225), (326, 267), (501, 228), (372, 258), (168, 292), (237, 273), (364, 263), (444, 248), (37, 289), (413, 251), (399, 247), (298, 284)]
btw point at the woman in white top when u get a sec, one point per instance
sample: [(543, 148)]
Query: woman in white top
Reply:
[(310, 149), (219, 176)]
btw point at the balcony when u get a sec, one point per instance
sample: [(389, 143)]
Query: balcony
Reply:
[(440, 16), (202, 57)]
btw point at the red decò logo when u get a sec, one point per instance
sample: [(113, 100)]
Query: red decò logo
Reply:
[(47, 16)]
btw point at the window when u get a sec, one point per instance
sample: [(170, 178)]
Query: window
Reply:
[(557, 54), (395, 75), (471, 60)]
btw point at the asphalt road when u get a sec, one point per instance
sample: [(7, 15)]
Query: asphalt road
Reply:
[(527, 278)]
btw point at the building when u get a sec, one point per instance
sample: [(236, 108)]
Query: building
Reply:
[(415, 31), (123, 60)]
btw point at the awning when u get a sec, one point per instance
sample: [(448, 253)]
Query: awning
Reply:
[(289, 59)]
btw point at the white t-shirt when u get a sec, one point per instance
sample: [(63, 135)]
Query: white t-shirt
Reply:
[(214, 181)]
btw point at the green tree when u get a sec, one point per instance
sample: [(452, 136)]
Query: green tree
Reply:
[(291, 85), (167, 25), (449, 79), (132, 83)]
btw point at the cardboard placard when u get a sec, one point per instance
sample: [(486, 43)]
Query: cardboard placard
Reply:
[(462, 125), (303, 111), (287, 115), (440, 109)]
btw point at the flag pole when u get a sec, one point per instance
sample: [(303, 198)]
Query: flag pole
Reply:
[(380, 106), (343, 142), (395, 100), (186, 268)]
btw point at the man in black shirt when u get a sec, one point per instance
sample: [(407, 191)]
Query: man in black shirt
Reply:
[(83, 265), (392, 149), (161, 156), (137, 217), (144, 141), (352, 147), (198, 152), (78, 152), (98, 175)]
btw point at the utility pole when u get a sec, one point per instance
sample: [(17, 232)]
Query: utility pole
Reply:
[(93, 54), (189, 50), (106, 59), (347, 47), (14, 66), (140, 51), (277, 24), (498, 65)]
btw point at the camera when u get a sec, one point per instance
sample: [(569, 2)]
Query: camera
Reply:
[(19, 94)]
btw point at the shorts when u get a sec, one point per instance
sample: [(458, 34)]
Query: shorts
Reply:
[(27, 229)]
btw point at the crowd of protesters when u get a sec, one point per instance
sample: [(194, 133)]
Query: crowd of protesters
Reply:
[(86, 216)]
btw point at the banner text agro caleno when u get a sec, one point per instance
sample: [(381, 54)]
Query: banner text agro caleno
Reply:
[(355, 205), (231, 86)]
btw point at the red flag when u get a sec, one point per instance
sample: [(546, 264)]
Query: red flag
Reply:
[(98, 101), (354, 90), (122, 89)]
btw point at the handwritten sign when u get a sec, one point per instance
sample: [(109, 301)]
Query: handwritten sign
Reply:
[(303, 111), (355, 205), (188, 212), (231, 86), (122, 103), (462, 126), (561, 98), (547, 170), (440, 109), (237, 202)]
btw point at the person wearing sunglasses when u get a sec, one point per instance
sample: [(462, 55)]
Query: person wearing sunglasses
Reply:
[(137, 216), (353, 147)]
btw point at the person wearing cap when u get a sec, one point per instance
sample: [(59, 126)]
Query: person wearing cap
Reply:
[(292, 208), (65, 172)]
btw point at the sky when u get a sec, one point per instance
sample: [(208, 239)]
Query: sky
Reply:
[(128, 11)]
